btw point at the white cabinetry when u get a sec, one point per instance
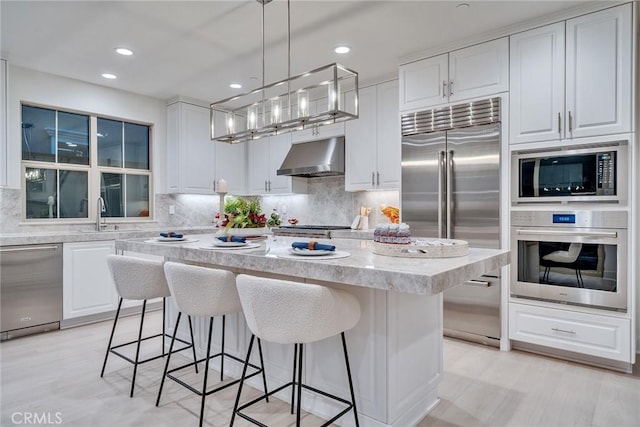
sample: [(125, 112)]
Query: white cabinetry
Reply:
[(317, 132), (265, 157), (591, 96), (372, 152), (87, 285), (195, 163), (467, 73), (595, 335)]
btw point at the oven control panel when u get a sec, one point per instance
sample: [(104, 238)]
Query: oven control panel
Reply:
[(606, 173), (578, 219)]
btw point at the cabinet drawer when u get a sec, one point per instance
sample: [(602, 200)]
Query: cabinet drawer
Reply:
[(595, 335)]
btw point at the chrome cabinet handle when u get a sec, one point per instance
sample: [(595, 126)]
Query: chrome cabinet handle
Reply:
[(450, 87), (559, 125), (444, 89), (570, 122), (373, 177), (480, 283), (562, 330), (378, 178), (265, 185), (269, 185), (214, 185)]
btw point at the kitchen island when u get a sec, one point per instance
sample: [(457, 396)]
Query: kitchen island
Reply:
[(396, 348)]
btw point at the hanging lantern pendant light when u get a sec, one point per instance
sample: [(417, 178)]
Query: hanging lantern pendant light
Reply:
[(277, 108)]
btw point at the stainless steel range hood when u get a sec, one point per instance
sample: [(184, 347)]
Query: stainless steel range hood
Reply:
[(324, 157)]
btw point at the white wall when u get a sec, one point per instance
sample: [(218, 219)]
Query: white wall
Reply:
[(31, 86)]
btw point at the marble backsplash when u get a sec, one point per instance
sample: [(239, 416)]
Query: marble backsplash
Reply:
[(325, 203)]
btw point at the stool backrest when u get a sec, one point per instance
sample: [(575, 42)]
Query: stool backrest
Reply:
[(138, 278), (291, 312), (202, 291)]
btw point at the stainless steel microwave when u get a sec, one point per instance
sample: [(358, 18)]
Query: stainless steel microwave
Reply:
[(595, 174)]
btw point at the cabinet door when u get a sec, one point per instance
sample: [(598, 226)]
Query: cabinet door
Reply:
[(361, 143), (279, 146), (537, 84), (479, 70), (599, 72), (257, 166), (191, 153), (319, 132), (423, 83), (389, 146), (3, 123), (231, 165), (87, 284)]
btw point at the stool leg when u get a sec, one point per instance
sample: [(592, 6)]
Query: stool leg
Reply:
[(353, 397), (293, 380), (193, 344), (163, 323), (166, 364), (222, 354), (244, 373), (206, 371), (264, 375), (299, 384), (104, 365), (135, 364)]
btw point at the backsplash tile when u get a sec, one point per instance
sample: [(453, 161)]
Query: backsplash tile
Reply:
[(326, 204)]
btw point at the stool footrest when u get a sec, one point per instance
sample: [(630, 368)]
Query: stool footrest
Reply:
[(291, 384), (199, 392), (112, 349)]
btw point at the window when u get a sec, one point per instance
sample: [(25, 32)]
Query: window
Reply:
[(60, 169)]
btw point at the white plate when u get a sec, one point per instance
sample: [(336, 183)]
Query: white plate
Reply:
[(220, 243), (170, 239), (307, 252)]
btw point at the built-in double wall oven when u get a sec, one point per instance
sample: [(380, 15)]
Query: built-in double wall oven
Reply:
[(588, 174), (570, 256)]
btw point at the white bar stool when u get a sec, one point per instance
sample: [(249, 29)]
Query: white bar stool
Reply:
[(207, 292), (296, 313), (139, 279)]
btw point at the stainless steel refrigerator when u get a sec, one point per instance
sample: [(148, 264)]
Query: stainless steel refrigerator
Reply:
[(451, 189)]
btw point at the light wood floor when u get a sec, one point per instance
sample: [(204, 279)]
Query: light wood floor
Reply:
[(58, 373)]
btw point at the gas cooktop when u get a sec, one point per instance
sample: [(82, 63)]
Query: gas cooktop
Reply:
[(317, 227)]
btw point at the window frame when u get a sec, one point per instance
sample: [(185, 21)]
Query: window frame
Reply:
[(93, 170)]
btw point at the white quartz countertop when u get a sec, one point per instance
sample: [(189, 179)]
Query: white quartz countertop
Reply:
[(362, 268)]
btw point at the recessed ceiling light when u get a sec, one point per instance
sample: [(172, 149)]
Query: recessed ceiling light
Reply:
[(463, 6), (109, 76), (124, 51), (342, 49), (235, 85)]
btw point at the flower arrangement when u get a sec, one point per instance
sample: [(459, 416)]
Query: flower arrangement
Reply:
[(243, 213)]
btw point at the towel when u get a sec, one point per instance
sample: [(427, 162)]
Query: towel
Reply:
[(313, 246), (171, 234), (230, 238)]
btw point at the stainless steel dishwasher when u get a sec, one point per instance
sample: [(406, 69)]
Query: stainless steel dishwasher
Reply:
[(30, 289)]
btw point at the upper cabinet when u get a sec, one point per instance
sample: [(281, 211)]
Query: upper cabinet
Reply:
[(372, 150), (590, 96), (195, 163), (467, 73), (265, 156)]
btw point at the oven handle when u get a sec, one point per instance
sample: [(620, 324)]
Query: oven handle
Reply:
[(612, 234)]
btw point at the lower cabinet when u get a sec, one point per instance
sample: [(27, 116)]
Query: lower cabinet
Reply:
[(87, 285), (595, 335)]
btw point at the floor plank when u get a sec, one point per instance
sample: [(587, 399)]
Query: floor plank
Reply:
[(59, 372)]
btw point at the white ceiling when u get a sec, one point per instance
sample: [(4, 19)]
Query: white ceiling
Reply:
[(196, 48)]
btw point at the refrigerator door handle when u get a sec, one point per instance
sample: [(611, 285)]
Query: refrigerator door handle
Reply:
[(441, 180), (449, 190)]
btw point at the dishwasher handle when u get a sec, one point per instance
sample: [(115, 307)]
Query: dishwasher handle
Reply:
[(29, 248)]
